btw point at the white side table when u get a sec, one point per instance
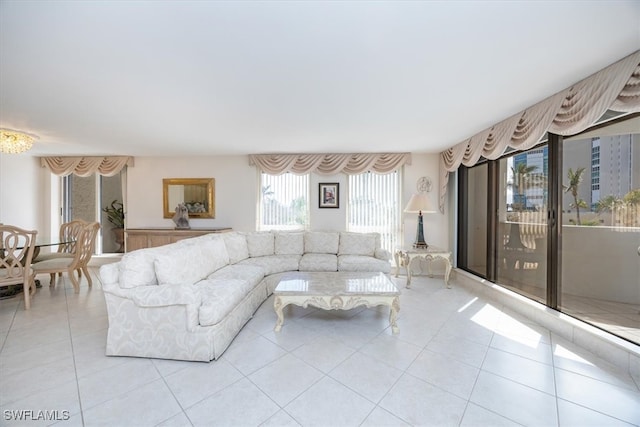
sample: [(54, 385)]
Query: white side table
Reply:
[(404, 257)]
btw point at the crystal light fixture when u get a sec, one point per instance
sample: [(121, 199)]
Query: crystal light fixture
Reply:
[(14, 142)]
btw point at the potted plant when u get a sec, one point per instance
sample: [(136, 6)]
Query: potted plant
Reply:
[(115, 215)]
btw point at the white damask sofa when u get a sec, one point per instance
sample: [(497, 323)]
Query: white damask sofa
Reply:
[(189, 299)]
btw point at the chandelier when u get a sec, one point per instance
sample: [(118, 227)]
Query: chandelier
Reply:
[(14, 142)]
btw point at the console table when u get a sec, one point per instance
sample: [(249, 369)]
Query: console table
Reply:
[(140, 238), (404, 256)]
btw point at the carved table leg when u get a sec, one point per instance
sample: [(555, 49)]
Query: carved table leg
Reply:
[(277, 306), (408, 264), (393, 315), (397, 255), (447, 272)]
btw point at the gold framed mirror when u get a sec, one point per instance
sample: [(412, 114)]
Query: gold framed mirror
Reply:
[(198, 194)]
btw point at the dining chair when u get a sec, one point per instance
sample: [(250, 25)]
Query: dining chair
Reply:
[(68, 236), (16, 253), (79, 262)]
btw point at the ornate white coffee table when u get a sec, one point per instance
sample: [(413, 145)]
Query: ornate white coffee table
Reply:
[(336, 291), (404, 256)]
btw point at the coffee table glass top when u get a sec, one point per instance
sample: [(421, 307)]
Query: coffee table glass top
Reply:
[(341, 283)]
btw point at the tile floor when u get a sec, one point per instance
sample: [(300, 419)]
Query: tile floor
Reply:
[(615, 317), (458, 360)]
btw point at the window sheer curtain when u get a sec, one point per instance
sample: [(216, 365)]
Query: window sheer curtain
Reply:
[(568, 112), (374, 201), (284, 202)]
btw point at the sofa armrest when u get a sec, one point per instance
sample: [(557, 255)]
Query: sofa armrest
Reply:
[(382, 254), (161, 296), (109, 273), (148, 296), (157, 302)]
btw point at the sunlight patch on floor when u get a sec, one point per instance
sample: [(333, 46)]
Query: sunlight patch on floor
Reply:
[(565, 353), (467, 305), (506, 326)]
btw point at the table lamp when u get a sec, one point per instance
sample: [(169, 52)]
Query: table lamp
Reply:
[(419, 203)]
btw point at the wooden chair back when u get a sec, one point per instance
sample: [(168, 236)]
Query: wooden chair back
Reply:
[(16, 253), (69, 233)]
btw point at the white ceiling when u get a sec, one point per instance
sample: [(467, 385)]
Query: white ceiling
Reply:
[(167, 78)]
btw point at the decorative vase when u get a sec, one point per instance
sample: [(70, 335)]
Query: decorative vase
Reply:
[(118, 235)]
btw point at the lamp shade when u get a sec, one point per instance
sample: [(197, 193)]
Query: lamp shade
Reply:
[(419, 203)]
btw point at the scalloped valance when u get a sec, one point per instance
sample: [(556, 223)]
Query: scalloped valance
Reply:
[(568, 112), (329, 164), (86, 166)]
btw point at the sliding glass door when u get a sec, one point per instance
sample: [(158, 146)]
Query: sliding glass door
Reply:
[(84, 198), (522, 222), (561, 224), (601, 228)]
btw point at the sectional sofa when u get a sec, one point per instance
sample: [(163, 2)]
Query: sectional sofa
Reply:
[(189, 299)]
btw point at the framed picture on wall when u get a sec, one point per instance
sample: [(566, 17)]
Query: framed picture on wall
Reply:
[(329, 195)]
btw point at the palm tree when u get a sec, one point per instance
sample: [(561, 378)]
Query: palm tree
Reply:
[(632, 201), (609, 204), (632, 197), (267, 193), (575, 179)]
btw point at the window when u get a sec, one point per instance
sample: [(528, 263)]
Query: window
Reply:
[(474, 215), (374, 201), (562, 224), (284, 202), (84, 198), (521, 223)]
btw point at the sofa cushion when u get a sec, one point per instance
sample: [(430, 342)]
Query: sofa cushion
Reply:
[(362, 263), (260, 243), (137, 268), (183, 264), (382, 254), (237, 248), (251, 273), (289, 243), (213, 248), (219, 297), (274, 263), (357, 243), (319, 262), (321, 242)]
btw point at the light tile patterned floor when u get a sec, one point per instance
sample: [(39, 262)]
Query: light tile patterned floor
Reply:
[(459, 360)]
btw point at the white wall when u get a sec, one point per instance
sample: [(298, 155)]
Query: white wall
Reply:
[(24, 192), (330, 219), (436, 225), (236, 189), (29, 195)]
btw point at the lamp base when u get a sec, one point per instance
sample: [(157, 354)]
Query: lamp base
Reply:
[(420, 242)]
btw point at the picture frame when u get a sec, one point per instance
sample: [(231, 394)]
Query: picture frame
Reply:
[(329, 195), (198, 194)]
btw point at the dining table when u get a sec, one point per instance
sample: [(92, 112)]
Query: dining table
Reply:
[(41, 242)]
